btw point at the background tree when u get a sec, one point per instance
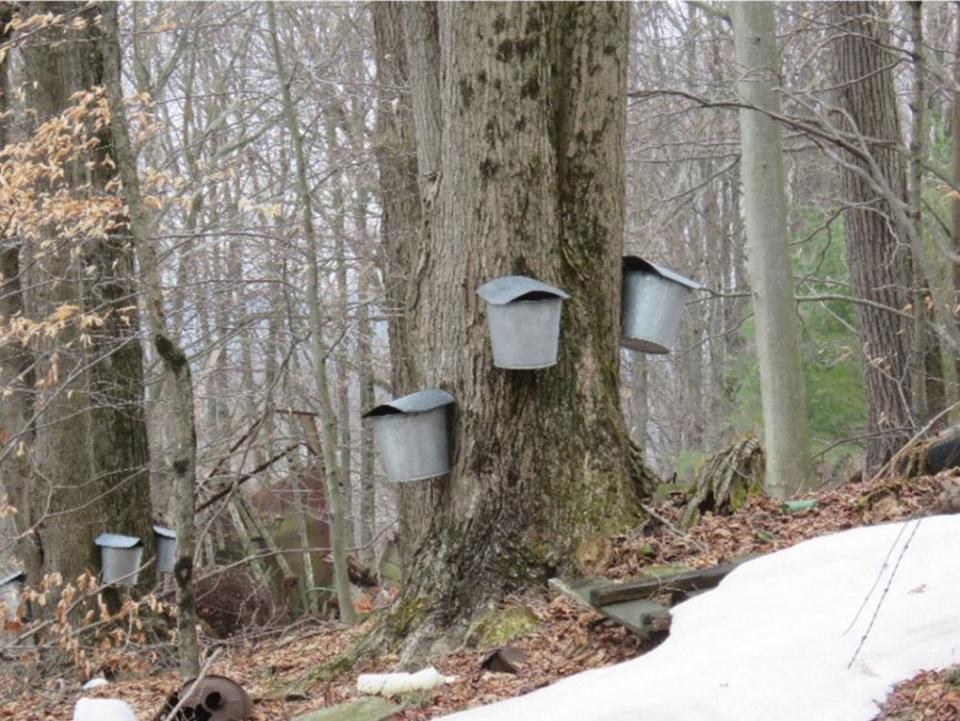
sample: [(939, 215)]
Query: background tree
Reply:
[(878, 252), (786, 436)]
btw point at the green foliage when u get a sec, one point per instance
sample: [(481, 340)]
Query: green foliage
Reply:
[(689, 461), (831, 362)]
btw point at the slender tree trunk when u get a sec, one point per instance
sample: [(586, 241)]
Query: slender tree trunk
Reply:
[(927, 381), (955, 132), (368, 488), (333, 115), (332, 469), (879, 259), (789, 467), (524, 173), (181, 439)]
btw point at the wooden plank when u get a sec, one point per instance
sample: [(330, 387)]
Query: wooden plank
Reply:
[(699, 580), (641, 616)]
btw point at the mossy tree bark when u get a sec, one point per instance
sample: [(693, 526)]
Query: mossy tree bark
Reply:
[(520, 116)]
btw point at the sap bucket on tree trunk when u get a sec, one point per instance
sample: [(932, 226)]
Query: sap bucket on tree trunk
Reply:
[(412, 435), (119, 558), (652, 305), (523, 316), (166, 544)]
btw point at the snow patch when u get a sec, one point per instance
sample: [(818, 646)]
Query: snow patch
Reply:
[(774, 639)]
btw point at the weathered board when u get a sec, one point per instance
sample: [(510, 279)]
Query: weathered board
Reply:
[(603, 595), (641, 616)]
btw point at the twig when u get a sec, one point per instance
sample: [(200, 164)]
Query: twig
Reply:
[(919, 434), (674, 529)]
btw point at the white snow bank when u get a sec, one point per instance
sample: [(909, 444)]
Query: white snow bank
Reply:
[(769, 642)]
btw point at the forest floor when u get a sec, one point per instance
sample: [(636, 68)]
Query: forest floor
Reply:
[(282, 671)]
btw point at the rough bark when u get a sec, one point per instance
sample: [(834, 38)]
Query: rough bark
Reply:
[(396, 152), (526, 176), (401, 240), (789, 466), (878, 258), (922, 409), (92, 429)]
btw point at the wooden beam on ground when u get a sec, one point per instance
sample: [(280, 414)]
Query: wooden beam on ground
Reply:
[(699, 580), (643, 617)]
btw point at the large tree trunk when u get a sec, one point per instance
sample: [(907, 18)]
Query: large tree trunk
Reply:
[(785, 431), (91, 438), (879, 260), (523, 173)]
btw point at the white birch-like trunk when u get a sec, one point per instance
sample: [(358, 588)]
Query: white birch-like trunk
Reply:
[(785, 427)]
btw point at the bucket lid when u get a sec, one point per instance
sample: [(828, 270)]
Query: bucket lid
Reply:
[(419, 402), (511, 288), (115, 540), (15, 577), (634, 262), (164, 532)]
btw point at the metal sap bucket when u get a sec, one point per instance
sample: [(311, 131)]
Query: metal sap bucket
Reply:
[(10, 589), (652, 305), (412, 435), (523, 316), (119, 558), (166, 544)]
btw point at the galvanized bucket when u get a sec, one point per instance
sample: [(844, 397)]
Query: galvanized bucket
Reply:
[(652, 305), (523, 316), (119, 558), (11, 587), (166, 543), (412, 435)]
